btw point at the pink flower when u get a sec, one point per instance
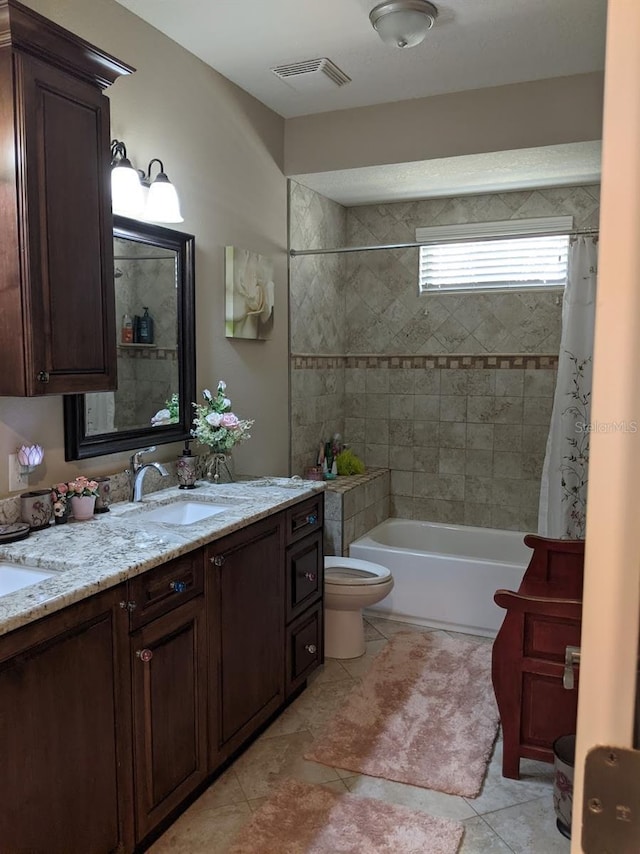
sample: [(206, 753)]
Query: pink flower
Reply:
[(230, 421)]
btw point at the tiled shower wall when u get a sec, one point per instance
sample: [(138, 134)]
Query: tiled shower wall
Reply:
[(452, 393), (147, 375), (316, 301)]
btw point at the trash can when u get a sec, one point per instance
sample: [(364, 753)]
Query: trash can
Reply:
[(564, 757)]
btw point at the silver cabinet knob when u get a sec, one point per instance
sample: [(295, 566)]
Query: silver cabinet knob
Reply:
[(128, 606), (144, 654), (178, 586), (218, 560), (310, 576), (311, 648)]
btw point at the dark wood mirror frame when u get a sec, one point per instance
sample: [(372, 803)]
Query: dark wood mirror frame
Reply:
[(77, 444)]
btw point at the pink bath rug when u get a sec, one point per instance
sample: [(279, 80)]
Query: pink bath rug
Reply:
[(424, 714), (300, 818)]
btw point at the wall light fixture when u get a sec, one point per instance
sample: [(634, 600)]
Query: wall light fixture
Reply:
[(135, 194), (162, 203)]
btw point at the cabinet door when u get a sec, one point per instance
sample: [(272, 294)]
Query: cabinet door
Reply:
[(65, 786), (169, 711), (246, 575), (63, 150), (304, 573)]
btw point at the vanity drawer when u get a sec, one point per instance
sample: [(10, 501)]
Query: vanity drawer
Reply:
[(304, 518), (304, 574), (166, 587), (304, 647)]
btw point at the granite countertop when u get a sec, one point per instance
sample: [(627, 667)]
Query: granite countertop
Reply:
[(88, 557)]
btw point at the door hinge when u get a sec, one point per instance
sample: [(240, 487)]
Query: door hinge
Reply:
[(611, 805), (43, 377)]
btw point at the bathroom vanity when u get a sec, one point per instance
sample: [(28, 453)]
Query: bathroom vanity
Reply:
[(127, 682)]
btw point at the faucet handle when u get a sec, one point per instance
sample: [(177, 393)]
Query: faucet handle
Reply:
[(136, 458)]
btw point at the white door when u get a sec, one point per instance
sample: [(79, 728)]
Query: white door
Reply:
[(612, 563)]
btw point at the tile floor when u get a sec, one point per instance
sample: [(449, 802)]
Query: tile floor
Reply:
[(507, 816)]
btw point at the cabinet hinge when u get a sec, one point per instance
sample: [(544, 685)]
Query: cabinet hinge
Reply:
[(43, 377), (611, 805)]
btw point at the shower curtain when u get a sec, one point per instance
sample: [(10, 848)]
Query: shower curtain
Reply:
[(563, 490)]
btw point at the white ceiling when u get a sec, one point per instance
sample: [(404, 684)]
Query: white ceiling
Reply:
[(500, 171), (474, 44)]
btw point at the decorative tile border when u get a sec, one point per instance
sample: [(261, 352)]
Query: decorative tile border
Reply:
[(486, 361), (169, 354), (304, 361)]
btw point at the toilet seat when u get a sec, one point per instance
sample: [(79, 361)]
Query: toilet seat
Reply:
[(348, 570)]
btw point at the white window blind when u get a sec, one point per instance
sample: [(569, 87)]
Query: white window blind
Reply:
[(519, 262)]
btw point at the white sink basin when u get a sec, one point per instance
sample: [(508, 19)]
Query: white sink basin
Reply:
[(184, 512), (14, 577)]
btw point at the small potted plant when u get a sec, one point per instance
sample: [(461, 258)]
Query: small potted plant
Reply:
[(83, 494), (60, 498)]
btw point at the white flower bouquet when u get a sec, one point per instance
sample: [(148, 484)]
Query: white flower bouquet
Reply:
[(216, 425)]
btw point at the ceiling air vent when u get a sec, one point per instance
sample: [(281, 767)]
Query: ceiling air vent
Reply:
[(312, 75)]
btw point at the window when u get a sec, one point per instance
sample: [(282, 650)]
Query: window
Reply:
[(512, 255)]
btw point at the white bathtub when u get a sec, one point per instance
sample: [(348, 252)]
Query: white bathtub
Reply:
[(445, 575)]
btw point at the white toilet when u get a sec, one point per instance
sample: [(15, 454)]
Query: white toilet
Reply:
[(349, 586)]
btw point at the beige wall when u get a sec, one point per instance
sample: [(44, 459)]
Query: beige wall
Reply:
[(223, 151), (523, 115)]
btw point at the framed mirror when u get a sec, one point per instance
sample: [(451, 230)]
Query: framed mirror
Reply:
[(155, 311)]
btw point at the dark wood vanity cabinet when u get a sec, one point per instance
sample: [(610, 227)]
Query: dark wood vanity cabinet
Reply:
[(56, 264), (65, 712), (114, 711), (304, 572), (169, 683), (245, 593)]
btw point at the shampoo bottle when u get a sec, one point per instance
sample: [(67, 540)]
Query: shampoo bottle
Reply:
[(127, 329), (145, 328)]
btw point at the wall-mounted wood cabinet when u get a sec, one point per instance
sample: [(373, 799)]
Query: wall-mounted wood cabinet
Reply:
[(57, 323)]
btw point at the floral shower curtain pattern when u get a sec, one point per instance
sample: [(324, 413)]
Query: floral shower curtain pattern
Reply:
[(563, 490)]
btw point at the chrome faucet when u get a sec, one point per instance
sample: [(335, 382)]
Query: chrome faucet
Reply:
[(138, 471)]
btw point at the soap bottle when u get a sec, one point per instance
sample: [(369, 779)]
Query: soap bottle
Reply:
[(126, 334), (145, 328), (186, 468)]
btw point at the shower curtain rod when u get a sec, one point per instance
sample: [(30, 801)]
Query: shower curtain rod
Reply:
[(294, 253), (144, 258)]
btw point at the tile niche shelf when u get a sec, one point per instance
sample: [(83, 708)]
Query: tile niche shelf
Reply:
[(352, 506)]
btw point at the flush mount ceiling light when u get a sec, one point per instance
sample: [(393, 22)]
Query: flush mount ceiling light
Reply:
[(403, 23)]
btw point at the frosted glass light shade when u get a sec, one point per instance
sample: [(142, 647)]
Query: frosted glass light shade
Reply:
[(162, 203), (126, 191), (403, 23)]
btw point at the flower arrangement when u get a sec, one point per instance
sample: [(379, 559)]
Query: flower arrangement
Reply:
[(169, 415), (215, 423), (60, 496), (81, 486)]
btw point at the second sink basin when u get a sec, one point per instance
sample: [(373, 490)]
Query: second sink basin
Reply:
[(14, 576), (184, 512)]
